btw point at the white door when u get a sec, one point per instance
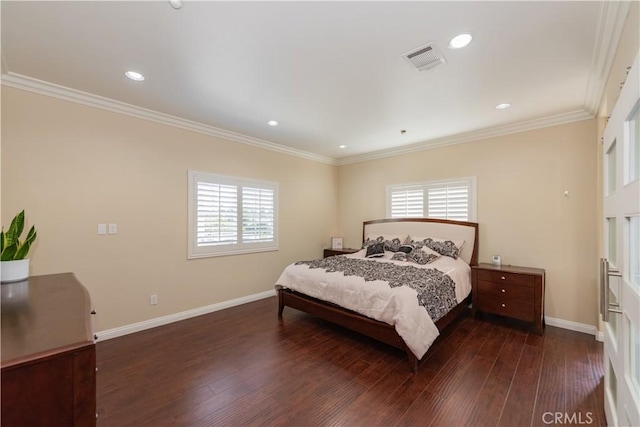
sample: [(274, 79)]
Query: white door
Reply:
[(620, 270)]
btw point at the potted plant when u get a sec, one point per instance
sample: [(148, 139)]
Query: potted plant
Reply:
[(14, 264)]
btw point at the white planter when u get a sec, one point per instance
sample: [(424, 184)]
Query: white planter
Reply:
[(14, 294), (14, 271)]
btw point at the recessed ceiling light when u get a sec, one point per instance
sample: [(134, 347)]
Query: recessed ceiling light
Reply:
[(272, 123), (176, 4), (460, 40), (503, 106), (134, 76), (342, 146)]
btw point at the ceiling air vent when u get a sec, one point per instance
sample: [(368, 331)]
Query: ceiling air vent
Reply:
[(424, 58)]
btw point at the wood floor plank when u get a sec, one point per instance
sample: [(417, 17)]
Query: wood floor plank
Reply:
[(596, 362), (458, 406), (580, 383), (551, 396), (370, 404), (490, 401), (446, 381), (520, 402), (302, 371)]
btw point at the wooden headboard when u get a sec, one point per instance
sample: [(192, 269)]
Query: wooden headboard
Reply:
[(428, 227)]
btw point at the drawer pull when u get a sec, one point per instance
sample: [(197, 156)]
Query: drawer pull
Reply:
[(503, 305), (502, 277), (503, 291)]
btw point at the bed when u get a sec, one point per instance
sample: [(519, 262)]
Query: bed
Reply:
[(390, 297)]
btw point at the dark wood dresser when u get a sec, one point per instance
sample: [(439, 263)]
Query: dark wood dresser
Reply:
[(48, 353), (516, 292)]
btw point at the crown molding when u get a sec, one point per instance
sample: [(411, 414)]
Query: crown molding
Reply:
[(42, 87), (613, 15), (511, 128), (67, 94)]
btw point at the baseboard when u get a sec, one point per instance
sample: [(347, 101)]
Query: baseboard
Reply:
[(164, 320), (573, 326)]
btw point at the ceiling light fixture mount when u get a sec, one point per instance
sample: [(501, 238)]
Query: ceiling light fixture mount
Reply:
[(459, 41), (135, 76), (503, 106), (176, 4)]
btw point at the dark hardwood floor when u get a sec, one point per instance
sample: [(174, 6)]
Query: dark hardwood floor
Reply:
[(241, 366)]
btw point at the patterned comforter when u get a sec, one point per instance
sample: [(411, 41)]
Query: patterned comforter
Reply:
[(409, 296)]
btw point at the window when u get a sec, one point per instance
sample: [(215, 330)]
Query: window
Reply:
[(453, 199), (229, 215)]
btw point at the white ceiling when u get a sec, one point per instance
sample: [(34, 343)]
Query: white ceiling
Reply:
[(330, 72)]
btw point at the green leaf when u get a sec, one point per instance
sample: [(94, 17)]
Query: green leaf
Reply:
[(16, 227), (22, 251), (31, 235), (9, 252), (11, 248)]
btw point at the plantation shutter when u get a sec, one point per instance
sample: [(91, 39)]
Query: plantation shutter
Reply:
[(229, 215), (258, 207), (453, 199), (217, 214), (448, 202), (407, 202)]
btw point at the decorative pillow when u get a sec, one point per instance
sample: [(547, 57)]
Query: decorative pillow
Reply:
[(375, 250), (422, 257), (399, 256), (459, 243), (392, 243), (372, 241), (419, 256), (406, 249), (443, 247)]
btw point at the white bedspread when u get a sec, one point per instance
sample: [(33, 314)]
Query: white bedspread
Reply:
[(376, 299)]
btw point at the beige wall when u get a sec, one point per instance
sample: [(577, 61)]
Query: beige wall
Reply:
[(72, 167), (522, 212)]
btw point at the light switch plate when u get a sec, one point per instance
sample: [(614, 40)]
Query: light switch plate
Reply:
[(102, 228), (113, 228)]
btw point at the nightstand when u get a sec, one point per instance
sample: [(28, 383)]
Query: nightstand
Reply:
[(516, 292), (344, 251)]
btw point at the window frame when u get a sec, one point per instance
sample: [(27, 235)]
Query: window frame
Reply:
[(469, 181), (194, 251)]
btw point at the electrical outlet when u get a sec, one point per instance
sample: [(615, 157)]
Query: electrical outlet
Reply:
[(153, 299), (113, 228)]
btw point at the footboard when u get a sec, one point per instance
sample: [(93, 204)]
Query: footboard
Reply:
[(356, 322), (351, 320)]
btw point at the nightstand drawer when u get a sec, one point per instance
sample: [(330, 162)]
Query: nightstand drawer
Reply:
[(504, 277), (516, 309), (506, 291)]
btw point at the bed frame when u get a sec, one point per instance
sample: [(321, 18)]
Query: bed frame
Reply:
[(467, 231)]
